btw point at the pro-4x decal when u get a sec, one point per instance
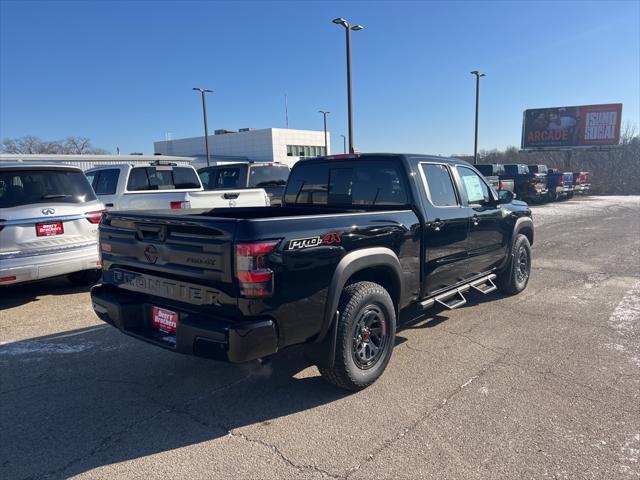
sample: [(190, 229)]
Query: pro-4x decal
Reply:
[(332, 238)]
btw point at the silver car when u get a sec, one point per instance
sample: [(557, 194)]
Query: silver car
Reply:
[(49, 217)]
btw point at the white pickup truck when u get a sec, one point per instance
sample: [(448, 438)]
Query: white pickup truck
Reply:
[(164, 185)]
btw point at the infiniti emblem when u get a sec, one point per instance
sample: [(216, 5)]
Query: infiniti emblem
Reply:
[(151, 254), (48, 211)]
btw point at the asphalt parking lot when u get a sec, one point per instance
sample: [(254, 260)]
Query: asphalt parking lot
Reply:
[(542, 385)]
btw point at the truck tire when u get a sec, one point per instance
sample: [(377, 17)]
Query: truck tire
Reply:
[(514, 278), (366, 336), (85, 277)]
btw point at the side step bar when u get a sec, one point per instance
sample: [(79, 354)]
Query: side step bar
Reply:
[(484, 285), (454, 298)]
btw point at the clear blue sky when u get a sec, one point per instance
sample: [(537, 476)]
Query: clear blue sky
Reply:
[(121, 72)]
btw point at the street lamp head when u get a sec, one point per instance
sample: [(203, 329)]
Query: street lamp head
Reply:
[(202, 90), (478, 73), (340, 21), (357, 27), (324, 112)]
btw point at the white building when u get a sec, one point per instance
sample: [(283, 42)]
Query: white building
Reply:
[(281, 145), (86, 162)]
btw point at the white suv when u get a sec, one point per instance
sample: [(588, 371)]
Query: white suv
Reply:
[(49, 217)]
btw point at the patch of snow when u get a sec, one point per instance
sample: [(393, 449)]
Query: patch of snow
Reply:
[(630, 454), (31, 347), (581, 207), (625, 320)]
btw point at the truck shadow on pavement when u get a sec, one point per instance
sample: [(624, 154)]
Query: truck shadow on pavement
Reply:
[(85, 399), (14, 296)]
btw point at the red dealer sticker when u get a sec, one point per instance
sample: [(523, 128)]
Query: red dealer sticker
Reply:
[(165, 320), (48, 229)]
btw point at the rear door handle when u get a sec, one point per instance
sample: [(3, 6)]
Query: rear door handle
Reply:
[(437, 224)]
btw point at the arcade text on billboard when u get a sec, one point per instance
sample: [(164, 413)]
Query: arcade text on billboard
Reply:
[(566, 127)]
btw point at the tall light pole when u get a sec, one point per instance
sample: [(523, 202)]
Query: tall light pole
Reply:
[(324, 116), (204, 114), (478, 74), (348, 28), (344, 144)]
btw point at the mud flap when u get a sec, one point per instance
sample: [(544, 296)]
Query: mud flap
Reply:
[(323, 353)]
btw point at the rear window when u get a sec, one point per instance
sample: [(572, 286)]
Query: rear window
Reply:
[(538, 168), (104, 182), (486, 170), (268, 176), (339, 183), (26, 187), (162, 178), (516, 169)]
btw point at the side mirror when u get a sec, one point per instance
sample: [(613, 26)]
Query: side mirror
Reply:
[(505, 196)]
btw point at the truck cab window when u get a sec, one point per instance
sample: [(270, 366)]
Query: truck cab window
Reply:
[(440, 185), (228, 178), (347, 184), (475, 190), (106, 181)]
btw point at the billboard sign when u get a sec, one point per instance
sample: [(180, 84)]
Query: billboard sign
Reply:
[(570, 127)]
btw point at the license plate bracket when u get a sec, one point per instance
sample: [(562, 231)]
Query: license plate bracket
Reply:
[(49, 229), (165, 321)]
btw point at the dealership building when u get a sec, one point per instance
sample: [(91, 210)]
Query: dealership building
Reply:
[(281, 145)]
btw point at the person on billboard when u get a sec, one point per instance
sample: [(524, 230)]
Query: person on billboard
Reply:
[(561, 120), (540, 122)]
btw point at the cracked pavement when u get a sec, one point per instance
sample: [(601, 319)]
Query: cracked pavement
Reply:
[(542, 385)]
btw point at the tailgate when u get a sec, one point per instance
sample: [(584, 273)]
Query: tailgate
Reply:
[(250, 197), (180, 258)]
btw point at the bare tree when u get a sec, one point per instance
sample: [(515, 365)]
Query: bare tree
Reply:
[(30, 144)]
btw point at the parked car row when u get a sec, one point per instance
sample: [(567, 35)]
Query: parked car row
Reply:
[(49, 213), (536, 183), (166, 185)]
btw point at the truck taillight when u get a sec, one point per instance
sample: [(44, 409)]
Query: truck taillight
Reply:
[(180, 204), (95, 216), (254, 278)]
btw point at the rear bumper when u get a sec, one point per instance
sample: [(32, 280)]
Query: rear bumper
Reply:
[(197, 334), (38, 266), (582, 188)]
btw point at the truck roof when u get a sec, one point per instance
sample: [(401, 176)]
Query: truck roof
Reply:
[(413, 157), (37, 165)]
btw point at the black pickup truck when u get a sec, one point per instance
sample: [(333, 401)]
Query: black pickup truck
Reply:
[(528, 183), (359, 241)]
